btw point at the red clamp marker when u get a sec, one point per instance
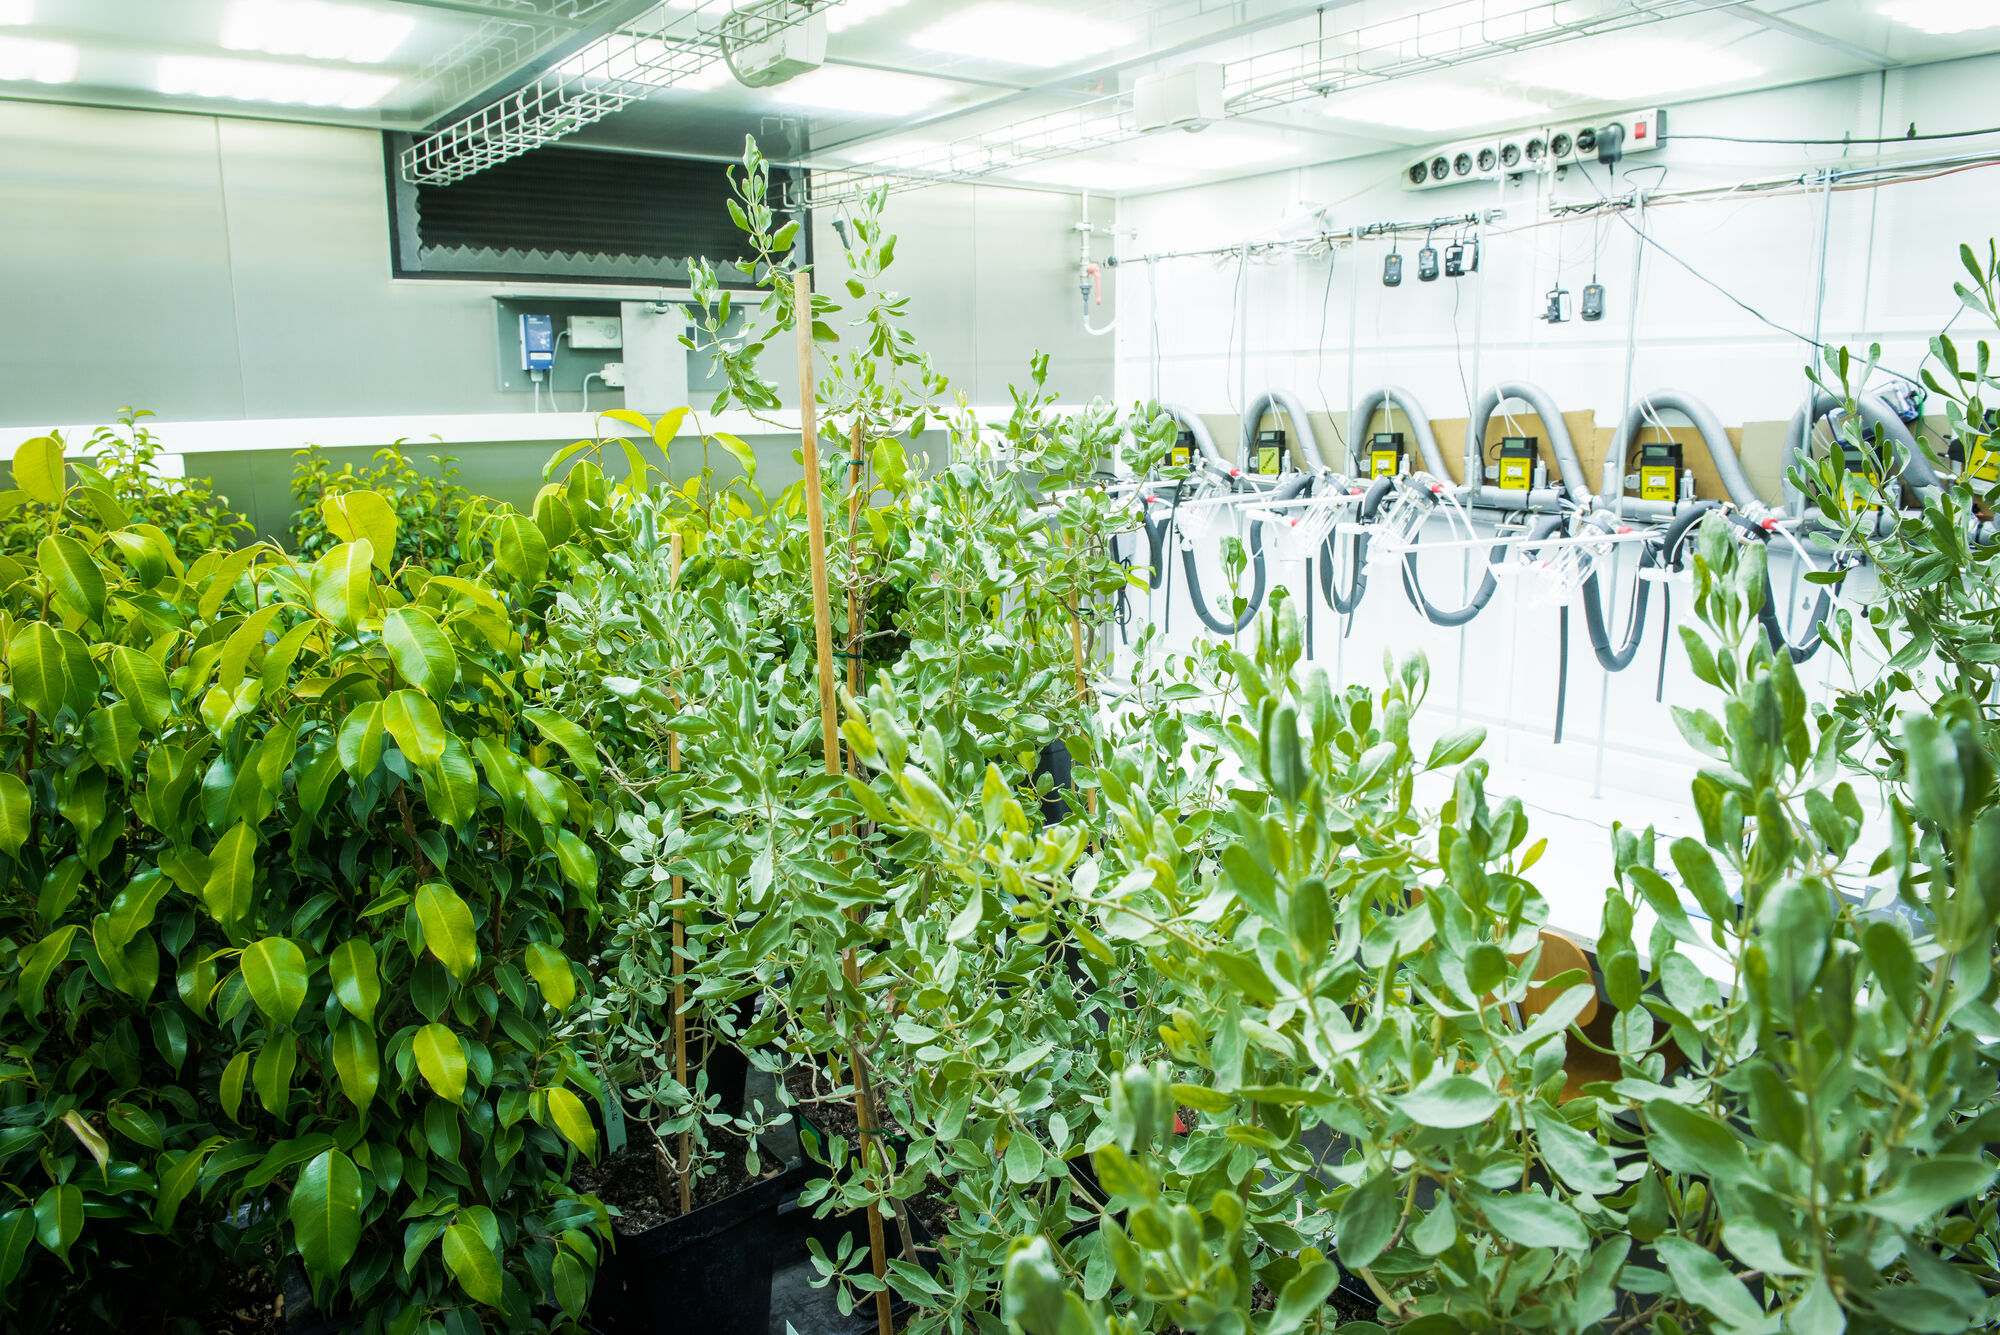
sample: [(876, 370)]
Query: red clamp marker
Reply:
[(1769, 525), (1437, 488), (1623, 528), (1236, 472), (1356, 491)]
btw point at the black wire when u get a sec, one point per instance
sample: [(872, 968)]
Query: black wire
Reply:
[(1319, 376), (1562, 670), (1911, 138)]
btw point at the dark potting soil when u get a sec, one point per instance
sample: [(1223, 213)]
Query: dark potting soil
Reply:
[(809, 1088), (628, 1182), (247, 1302)]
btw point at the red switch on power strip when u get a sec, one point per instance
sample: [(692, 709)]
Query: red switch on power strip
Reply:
[(1638, 129)]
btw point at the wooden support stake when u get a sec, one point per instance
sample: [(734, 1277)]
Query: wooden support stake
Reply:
[(830, 731), (680, 943), (855, 606)]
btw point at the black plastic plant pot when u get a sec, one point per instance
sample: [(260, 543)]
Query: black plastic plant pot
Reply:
[(707, 1271)]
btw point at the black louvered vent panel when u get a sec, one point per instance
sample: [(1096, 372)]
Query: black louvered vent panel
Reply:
[(578, 202)]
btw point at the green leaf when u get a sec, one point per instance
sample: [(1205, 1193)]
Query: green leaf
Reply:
[(139, 680), (38, 961), (441, 1059), (17, 1230), (1304, 1294), (232, 875), (413, 721), (1703, 1279), (519, 549), (234, 1076), (73, 573), (272, 1073), (342, 588), (550, 969), (59, 1218), (178, 1176), (448, 928), (572, 1283), (738, 451), (1687, 1140), (36, 663), (419, 651), (274, 969), (326, 1215), (472, 1262), (1449, 1102), (1577, 1158), (572, 1120), (365, 515), (355, 980), (1367, 1220), (574, 741), (38, 469), (357, 1060), (579, 864), (17, 812), (1928, 1186), (1531, 1219)]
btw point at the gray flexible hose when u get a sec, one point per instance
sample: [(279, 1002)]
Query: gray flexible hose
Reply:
[(1285, 491), (1363, 413), (1916, 471), (1537, 398), (1286, 402), (1714, 435), (1202, 440), (1544, 527)]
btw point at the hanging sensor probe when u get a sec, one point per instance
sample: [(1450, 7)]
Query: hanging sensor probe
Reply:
[(1427, 260), (1385, 454), (1392, 270)]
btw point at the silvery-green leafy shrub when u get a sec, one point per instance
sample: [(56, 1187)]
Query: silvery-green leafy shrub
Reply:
[(1812, 1158), (292, 873)]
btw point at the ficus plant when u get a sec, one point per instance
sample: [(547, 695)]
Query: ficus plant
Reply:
[(120, 482), (438, 521), (295, 874)]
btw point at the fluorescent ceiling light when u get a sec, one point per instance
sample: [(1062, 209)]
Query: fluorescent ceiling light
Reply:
[(1018, 34), (1432, 107), (24, 60), (315, 29), (271, 81), (865, 92), (1632, 68), (1105, 177), (853, 13), (1208, 150), (1943, 17), (17, 11)]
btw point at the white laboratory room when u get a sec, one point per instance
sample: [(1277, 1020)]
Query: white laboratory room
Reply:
[(999, 667)]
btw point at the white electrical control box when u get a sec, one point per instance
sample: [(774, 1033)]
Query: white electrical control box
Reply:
[(596, 331), (1186, 98), (655, 362), (613, 375)]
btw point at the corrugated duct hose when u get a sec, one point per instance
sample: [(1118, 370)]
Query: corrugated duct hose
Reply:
[(1544, 527), (1617, 660), (1774, 630), (1284, 491), (1357, 583)]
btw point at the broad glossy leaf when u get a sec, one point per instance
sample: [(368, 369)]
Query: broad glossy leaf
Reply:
[(1366, 1222), (38, 469), (550, 969), (17, 810), (59, 1217), (138, 679), (448, 928), (276, 1062), (579, 863), (360, 740), (441, 1060), (572, 1120), (574, 741), (472, 1263), (413, 721), (232, 875), (519, 549), (355, 980), (275, 971), (325, 1210), (342, 586), (17, 1230), (365, 515), (73, 573), (419, 651), (358, 1061), (37, 665)]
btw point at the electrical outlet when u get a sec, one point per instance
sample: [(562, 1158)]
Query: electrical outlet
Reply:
[(613, 375), (596, 331)]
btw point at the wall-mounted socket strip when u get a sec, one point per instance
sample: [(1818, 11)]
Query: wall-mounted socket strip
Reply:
[(1541, 149), (613, 375), (596, 331)]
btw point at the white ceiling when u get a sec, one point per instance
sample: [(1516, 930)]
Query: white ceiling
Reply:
[(903, 78)]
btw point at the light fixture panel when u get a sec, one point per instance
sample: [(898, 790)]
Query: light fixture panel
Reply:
[(315, 29), (276, 81), (1021, 34), (30, 60)]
